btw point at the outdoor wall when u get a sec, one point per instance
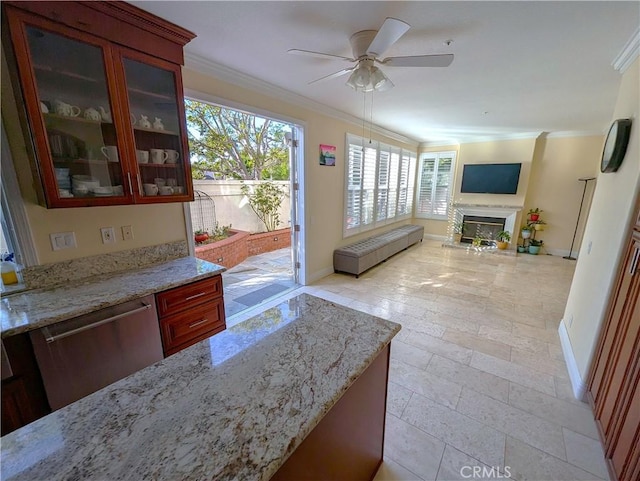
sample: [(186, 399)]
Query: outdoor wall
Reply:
[(554, 187), (323, 185), (604, 235), (152, 224), (232, 207)]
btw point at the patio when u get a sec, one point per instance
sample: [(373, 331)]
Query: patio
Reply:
[(256, 280)]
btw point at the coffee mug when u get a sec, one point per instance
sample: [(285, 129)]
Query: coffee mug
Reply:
[(178, 190), (160, 182), (142, 156), (118, 190), (166, 190), (150, 189), (172, 182), (110, 152), (158, 156), (172, 156)]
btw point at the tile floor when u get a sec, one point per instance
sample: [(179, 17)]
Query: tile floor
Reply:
[(477, 378)]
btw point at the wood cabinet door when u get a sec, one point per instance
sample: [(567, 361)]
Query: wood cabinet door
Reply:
[(69, 90), (614, 382)]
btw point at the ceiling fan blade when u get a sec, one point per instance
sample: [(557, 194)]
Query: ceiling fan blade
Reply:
[(392, 29), (333, 75), (309, 53), (419, 61)]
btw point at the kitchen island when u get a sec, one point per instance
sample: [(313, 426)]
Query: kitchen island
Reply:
[(238, 405)]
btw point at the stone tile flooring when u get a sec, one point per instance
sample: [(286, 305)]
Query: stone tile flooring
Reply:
[(257, 279), (477, 379)]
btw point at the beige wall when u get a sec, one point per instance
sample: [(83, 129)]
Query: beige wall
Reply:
[(604, 235), (324, 186), (152, 224), (554, 187)]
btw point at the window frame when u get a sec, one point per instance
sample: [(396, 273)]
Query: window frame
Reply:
[(436, 156), (387, 185)]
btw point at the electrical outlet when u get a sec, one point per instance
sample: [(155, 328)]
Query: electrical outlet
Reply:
[(127, 232), (108, 235)]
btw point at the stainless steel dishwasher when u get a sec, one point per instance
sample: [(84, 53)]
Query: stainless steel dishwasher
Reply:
[(84, 354)]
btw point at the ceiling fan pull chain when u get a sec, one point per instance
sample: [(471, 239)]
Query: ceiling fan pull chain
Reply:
[(371, 116)]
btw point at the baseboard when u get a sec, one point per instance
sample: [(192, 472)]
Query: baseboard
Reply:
[(577, 384), (560, 252), (436, 237), (317, 275)]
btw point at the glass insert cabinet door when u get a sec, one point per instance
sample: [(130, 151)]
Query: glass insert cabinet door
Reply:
[(76, 109), (156, 123)]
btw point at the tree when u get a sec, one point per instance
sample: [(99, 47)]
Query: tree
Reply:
[(234, 144), (265, 199)]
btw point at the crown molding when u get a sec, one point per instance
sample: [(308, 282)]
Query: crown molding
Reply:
[(574, 133), (226, 74), (501, 137), (628, 53)]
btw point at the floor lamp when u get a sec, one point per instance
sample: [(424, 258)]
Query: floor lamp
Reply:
[(586, 181)]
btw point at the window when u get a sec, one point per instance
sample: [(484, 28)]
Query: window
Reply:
[(379, 185), (434, 184)]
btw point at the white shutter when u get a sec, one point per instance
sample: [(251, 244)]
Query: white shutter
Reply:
[(378, 185), (434, 185), (394, 165), (368, 185), (354, 183)]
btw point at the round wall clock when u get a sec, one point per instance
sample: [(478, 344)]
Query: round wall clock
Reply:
[(616, 145)]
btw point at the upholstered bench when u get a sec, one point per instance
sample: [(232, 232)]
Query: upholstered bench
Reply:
[(362, 255)]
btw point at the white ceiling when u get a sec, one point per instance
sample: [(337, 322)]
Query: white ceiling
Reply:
[(520, 67)]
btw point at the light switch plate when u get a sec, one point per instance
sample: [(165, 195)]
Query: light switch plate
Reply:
[(63, 240), (127, 232), (108, 235)]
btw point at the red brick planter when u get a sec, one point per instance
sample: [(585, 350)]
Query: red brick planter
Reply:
[(233, 250)]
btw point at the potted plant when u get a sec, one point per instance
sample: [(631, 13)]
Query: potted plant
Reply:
[(522, 249), (457, 232), (476, 242), (534, 214), (534, 246), (503, 237), (538, 224), (526, 231), (200, 235)]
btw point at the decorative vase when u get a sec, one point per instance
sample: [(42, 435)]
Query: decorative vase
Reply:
[(502, 245), (534, 250), (538, 226)]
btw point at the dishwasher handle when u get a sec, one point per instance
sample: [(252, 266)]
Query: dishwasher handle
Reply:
[(53, 338)]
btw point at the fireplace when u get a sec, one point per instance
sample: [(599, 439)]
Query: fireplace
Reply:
[(486, 228)]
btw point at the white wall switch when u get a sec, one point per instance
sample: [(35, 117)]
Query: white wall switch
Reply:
[(108, 235), (127, 232), (63, 240)]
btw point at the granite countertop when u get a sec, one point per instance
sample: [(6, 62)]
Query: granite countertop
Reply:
[(232, 407), (41, 307)]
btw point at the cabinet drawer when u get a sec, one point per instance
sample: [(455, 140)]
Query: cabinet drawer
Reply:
[(184, 297), (186, 328)]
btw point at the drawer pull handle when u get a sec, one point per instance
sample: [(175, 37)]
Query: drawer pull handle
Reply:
[(634, 261), (195, 296), (197, 323)]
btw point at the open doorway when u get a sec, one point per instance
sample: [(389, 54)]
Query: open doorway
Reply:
[(246, 208)]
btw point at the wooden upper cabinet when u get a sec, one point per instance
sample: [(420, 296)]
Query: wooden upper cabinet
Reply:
[(102, 91)]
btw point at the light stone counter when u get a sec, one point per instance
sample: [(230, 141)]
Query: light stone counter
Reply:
[(232, 407), (41, 307)]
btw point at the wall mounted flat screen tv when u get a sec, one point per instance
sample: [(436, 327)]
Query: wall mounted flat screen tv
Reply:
[(490, 178)]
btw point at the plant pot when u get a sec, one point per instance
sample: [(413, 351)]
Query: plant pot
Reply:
[(534, 250), (522, 249), (201, 237), (525, 234), (502, 245), (534, 217), (457, 238), (538, 226)]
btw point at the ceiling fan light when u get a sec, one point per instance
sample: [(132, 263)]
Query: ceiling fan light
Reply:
[(360, 78), (377, 78)]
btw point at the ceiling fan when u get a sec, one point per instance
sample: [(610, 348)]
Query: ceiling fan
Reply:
[(367, 47)]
